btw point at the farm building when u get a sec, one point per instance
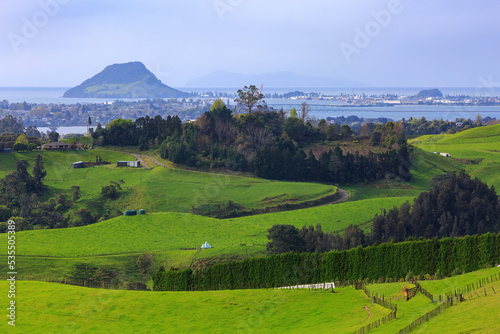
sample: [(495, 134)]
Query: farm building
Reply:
[(445, 154), (128, 164), (79, 164), (59, 145)]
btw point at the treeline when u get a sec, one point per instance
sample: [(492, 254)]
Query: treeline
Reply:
[(265, 142), (456, 205), (287, 238), (392, 260), (145, 132), (333, 166)]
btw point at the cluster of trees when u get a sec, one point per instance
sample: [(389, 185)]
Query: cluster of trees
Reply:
[(14, 125), (287, 238), (456, 205), (392, 260), (18, 142), (421, 126), (287, 163), (145, 132)]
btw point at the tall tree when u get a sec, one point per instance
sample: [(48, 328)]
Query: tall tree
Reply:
[(284, 238), (248, 97), (38, 173)]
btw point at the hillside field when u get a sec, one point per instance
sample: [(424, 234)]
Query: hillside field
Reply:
[(475, 150), (57, 308), (158, 189), (175, 238)]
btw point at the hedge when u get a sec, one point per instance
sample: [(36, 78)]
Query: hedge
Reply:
[(389, 261)]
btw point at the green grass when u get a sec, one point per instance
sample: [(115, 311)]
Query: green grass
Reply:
[(475, 150), (56, 308), (408, 311), (175, 231), (437, 287), (174, 238), (474, 315), (159, 189)]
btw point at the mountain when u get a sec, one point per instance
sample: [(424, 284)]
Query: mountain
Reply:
[(430, 93), (129, 80), (275, 79)]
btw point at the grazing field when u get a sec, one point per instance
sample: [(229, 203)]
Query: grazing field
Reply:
[(174, 238), (176, 231), (408, 311), (57, 308), (159, 189), (475, 150), (477, 314)]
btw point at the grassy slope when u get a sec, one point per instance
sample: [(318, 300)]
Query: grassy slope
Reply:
[(55, 308), (474, 315), (418, 306), (159, 189), (174, 231), (407, 311), (478, 143)]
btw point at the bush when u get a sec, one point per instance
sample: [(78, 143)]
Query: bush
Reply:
[(409, 276), (109, 192)]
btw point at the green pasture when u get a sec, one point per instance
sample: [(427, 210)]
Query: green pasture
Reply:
[(475, 150), (57, 308), (159, 189), (477, 314)]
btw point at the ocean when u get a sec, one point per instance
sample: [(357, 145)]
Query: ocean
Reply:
[(319, 109)]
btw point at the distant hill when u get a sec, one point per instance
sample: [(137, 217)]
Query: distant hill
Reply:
[(275, 79), (430, 93), (129, 80)]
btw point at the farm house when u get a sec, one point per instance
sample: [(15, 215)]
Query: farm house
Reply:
[(128, 164)]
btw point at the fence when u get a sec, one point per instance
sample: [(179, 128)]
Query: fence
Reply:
[(449, 299), (377, 299)]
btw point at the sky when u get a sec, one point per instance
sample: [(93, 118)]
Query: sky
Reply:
[(381, 43)]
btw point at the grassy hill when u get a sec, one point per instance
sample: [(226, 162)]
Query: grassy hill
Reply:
[(159, 189), (55, 308), (475, 150)]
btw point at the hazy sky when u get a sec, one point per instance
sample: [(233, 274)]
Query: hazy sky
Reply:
[(419, 43)]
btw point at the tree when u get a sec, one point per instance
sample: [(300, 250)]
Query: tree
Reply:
[(305, 109), (5, 213), (38, 173), (345, 131), (85, 217), (293, 113), (248, 97), (75, 193), (144, 261), (109, 191), (89, 123), (284, 239), (53, 136), (19, 147)]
